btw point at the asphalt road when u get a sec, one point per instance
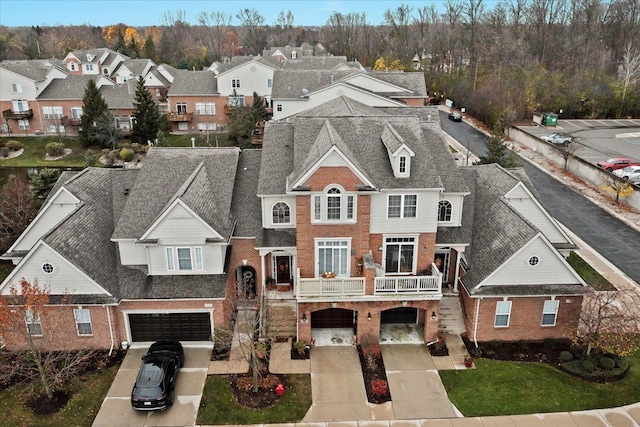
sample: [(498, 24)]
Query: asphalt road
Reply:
[(612, 238)]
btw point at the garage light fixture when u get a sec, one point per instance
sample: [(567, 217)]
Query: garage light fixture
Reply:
[(304, 318), (433, 315), (369, 316)]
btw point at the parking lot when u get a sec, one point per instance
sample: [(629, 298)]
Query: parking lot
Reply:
[(598, 140)]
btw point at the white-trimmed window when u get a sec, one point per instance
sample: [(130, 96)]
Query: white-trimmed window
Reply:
[(105, 71), (334, 205), (76, 112), (48, 268), (534, 261), (333, 256), (550, 312), (279, 107), (184, 259), (503, 314), (170, 263), (55, 129), (181, 107), (23, 124), (444, 211), (281, 213), (16, 87), (235, 83), (32, 320), (269, 82), (198, 258), (52, 112), (83, 321), (402, 206), (236, 101), (399, 255), (72, 66), (402, 168), (88, 67), (205, 108)]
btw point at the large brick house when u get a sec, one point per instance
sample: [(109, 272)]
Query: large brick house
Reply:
[(350, 217)]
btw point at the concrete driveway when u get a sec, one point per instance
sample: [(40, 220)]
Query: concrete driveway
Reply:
[(116, 408)]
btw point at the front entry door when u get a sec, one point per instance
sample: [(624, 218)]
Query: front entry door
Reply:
[(283, 270)]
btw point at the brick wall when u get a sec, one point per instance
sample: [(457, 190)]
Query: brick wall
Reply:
[(366, 329), (525, 319)]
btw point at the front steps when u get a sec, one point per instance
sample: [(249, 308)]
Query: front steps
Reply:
[(451, 319), (281, 320)]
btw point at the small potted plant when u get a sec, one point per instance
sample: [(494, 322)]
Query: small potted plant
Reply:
[(301, 346), (468, 361), (261, 349)]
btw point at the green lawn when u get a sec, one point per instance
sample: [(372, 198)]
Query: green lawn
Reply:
[(34, 149), (219, 407), (507, 388), (588, 274), (89, 392)]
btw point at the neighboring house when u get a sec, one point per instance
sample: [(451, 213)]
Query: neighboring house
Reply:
[(158, 81), (131, 69), (92, 62), (120, 99), (350, 217), (297, 91), (21, 83), (194, 102), (60, 104)]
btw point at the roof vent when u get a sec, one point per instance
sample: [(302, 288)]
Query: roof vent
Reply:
[(305, 91), (126, 191)]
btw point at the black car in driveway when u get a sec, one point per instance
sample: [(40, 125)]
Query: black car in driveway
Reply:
[(455, 116), (156, 382)]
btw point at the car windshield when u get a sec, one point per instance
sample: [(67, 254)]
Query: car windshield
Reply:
[(612, 160)]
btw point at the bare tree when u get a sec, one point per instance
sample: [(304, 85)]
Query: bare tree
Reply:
[(283, 29), (399, 20), (26, 313), (18, 207), (255, 35), (216, 24), (608, 321), (342, 33), (628, 73)]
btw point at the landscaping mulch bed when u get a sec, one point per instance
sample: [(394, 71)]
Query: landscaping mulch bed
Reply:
[(375, 376), (265, 397), (541, 352), (40, 404)]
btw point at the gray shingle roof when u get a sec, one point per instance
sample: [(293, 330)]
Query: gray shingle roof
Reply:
[(247, 209), (70, 88), (120, 96), (136, 66), (34, 69), (412, 81), (361, 134), (290, 83), (193, 83), (203, 178)]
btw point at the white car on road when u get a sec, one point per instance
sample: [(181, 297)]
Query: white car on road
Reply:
[(557, 138)]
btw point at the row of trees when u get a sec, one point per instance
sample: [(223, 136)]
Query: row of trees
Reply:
[(500, 62)]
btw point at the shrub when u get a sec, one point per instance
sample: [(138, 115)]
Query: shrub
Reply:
[(523, 344), (606, 363), (4, 151), (622, 363), (90, 157), (371, 354), (495, 344), (124, 145), (55, 149), (566, 356), (550, 343), (379, 387), (587, 365), (126, 154), (13, 145)]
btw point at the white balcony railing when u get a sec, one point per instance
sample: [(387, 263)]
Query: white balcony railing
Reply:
[(339, 286), (408, 284)]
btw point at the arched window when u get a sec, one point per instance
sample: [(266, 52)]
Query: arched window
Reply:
[(281, 213), (444, 211), (334, 200)]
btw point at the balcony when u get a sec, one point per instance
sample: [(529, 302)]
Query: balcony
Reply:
[(180, 117), (10, 114), (70, 121), (336, 287), (409, 285)]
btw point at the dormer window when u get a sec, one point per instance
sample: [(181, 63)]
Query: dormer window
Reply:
[(444, 211), (281, 213), (334, 205), (402, 168), (72, 66)]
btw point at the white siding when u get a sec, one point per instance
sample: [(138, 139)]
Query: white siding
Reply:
[(267, 206), (374, 85), (8, 78), (425, 221), (291, 106), (180, 227), (61, 206), (253, 78), (213, 260), (550, 270), (65, 277), (132, 254), (522, 202)]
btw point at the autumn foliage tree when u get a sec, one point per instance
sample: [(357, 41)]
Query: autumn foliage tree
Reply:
[(27, 322), (17, 208), (609, 322)]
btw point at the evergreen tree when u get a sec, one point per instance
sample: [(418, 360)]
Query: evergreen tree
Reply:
[(146, 116), (43, 182), (149, 48), (498, 152), (120, 44), (132, 48), (93, 106), (259, 108)]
